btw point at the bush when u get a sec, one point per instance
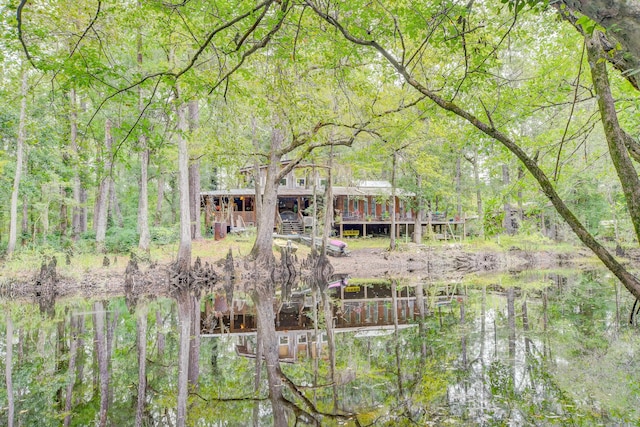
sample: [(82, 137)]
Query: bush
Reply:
[(164, 235), (121, 240)]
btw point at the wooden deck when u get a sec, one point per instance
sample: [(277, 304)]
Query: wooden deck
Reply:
[(351, 226)]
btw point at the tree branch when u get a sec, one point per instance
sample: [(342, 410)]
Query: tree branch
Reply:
[(20, 35)]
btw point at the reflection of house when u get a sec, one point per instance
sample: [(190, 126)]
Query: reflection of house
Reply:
[(298, 344), (370, 309), (361, 209)]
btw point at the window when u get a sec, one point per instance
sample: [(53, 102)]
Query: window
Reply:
[(345, 205), (284, 340), (302, 339), (355, 205), (301, 182), (283, 182)]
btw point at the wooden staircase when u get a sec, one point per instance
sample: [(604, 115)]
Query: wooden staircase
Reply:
[(292, 227)]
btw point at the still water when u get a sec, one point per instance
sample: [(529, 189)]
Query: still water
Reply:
[(525, 348)]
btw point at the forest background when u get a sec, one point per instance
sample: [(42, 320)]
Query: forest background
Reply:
[(115, 114)]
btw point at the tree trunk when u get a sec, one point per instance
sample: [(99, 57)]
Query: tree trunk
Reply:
[(8, 370), (114, 205), (84, 214), (13, 221), (519, 195), (99, 316), (458, 188), (256, 173), (63, 223), (266, 221), (622, 20), (508, 220), (194, 175), (194, 199), (158, 216), (102, 202), (25, 218), (184, 251), (77, 210), (392, 230), (417, 225), (615, 135), (143, 197), (476, 179)]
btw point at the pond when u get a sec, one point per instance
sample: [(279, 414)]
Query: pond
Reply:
[(525, 348)]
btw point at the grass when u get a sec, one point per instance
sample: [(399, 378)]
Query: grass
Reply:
[(27, 261)]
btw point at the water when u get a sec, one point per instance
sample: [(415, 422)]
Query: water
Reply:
[(528, 348)]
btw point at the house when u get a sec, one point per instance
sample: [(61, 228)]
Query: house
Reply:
[(362, 209)]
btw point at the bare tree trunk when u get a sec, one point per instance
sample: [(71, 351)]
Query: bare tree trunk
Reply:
[(143, 197), (194, 199), (84, 214), (100, 217), (158, 216), (266, 221), (8, 370), (194, 175), (616, 136), (63, 223), (25, 218), (76, 211), (458, 188), (141, 328), (417, 225), (328, 209), (508, 226), (184, 251), (99, 316), (392, 242), (256, 172), (114, 205), (13, 221), (519, 195), (476, 179)]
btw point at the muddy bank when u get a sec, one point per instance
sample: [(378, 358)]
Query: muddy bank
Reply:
[(417, 262), (445, 262)]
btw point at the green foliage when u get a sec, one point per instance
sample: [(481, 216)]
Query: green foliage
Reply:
[(121, 240)]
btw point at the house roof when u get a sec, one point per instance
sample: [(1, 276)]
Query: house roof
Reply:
[(352, 191)]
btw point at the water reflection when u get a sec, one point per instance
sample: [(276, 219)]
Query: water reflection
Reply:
[(545, 348)]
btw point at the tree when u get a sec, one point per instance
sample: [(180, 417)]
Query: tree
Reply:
[(13, 227), (399, 64)]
